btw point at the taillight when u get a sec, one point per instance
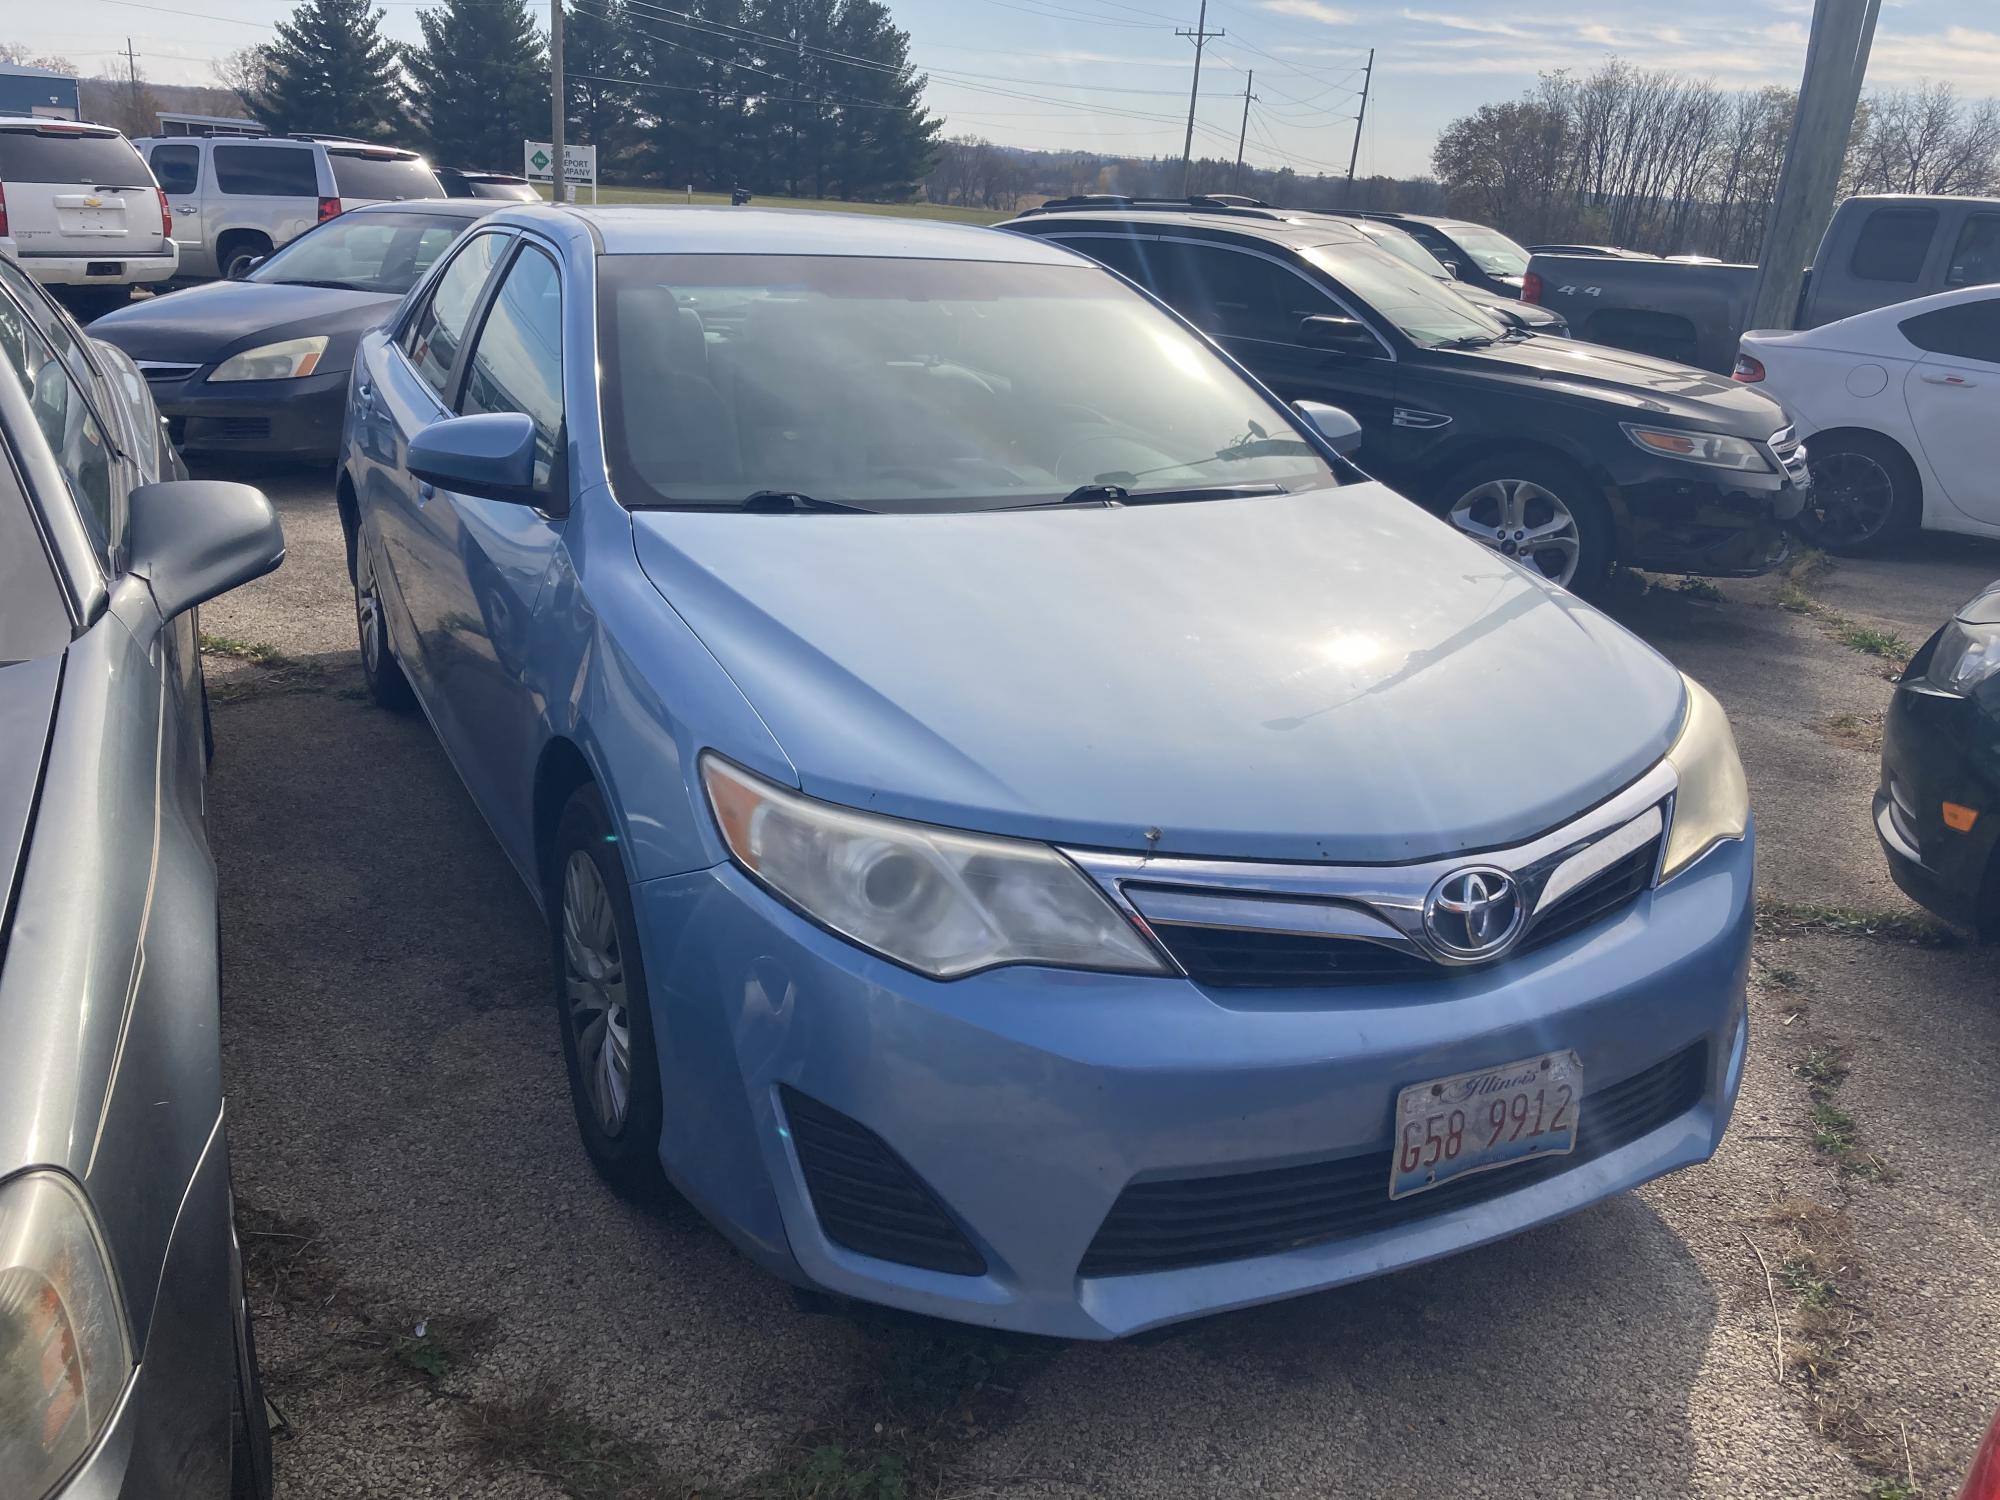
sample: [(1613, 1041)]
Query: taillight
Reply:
[(1983, 1483), (1747, 370), (166, 215), (329, 208), (1531, 288), (3, 210)]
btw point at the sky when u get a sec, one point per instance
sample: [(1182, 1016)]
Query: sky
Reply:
[(1112, 75)]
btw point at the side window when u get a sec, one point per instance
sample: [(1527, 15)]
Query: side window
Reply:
[(433, 338), (67, 423), (177, 168), (1234, 295), (1121, 254), (1975, 259), (56, 327), (516, 362), (1893, 243), (1971, 330), (267, 171)]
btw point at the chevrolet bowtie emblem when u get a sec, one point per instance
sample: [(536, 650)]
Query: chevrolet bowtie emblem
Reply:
[(93, 203)]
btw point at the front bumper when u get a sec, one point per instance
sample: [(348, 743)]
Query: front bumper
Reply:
[(292, 418), (107, 269), (1680, 519), (1932, 753), (1028, 1099)]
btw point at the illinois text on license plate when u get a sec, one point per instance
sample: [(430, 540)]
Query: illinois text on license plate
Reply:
[(1448, 1127)]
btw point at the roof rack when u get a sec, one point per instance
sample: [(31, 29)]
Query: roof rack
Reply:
[(322, 135), (1213, 203)]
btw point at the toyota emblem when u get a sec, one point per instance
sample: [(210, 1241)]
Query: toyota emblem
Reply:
[(1475, 912)]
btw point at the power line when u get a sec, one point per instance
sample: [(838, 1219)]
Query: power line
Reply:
[(1199, 36)]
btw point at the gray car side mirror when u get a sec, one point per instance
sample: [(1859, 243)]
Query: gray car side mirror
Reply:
[(1338, 335), (1334, 423), (490, 456), (192, 539)]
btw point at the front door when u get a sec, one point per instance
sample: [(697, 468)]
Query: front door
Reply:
[(1952, 392), (177, 167)]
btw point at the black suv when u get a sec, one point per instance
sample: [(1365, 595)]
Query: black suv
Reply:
[(1569, 456), (1477, 254)]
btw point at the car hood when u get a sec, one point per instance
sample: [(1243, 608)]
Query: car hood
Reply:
[(27, 705), (205, 323), (1645, 385), (1327, 676)]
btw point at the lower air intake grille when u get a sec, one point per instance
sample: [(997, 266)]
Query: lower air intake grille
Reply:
[(1158, 1226), (867, 1198), (1251, 958)]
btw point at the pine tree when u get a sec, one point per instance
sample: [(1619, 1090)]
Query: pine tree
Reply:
[(331, 70), (482, 82), (882, 142), (597, 57)]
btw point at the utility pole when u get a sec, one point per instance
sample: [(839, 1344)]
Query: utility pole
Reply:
[(1248, 79), (1200, 36), (1354, 155), (558, 101), (1836, 60), (132, 88)]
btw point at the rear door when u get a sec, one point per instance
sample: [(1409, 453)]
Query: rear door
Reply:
[(177, 167), (1953, 393), (77, 190), (265, 188)]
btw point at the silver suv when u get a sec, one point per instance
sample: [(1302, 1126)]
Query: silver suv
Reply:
[(234, 201)]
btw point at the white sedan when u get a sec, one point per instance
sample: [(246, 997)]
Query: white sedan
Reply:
[(1900, 410)]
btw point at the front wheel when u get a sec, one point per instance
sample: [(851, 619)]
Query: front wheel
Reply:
[(387, 685), (1538, 511), (607, 1025), (249, 1423), (1865, 494)]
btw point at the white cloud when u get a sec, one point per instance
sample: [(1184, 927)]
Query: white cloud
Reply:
[(1307, 10)]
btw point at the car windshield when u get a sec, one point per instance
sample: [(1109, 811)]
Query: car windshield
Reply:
[(1426, 312), (380, 252), (1490, 250), (381, 176), (918, 385), (1392, 241)]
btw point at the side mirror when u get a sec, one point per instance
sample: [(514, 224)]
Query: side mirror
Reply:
[(242, 269), (1338, 336), (192, 539), (1334, 423), (1451, 266), (490, 456)]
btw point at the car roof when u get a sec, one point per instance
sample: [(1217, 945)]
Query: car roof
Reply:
[(1302, 229), (59, 127), (465, 208), (668, 230)]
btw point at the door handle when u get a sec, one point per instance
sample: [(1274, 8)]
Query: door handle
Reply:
[(1953, 380), (187, 208)]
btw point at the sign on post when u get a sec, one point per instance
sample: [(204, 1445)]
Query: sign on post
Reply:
[(579, 164)]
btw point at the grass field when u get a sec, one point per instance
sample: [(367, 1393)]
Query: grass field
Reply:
[(673, 199)]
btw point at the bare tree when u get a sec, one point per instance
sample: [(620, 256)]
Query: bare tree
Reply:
[(1928, 140)]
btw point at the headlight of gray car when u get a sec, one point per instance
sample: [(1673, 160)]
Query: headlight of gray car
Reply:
[(64, 1358), (290, 359), (936, 900), (1966, 656), (1712, 803), (1715, 449)]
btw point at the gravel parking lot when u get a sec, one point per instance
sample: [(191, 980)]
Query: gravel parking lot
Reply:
[(450, 1303)]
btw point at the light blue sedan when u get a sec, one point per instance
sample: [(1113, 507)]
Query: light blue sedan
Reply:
[(1030, 834)]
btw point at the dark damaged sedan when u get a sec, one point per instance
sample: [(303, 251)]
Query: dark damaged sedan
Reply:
[(127, 1370), (260, 365)]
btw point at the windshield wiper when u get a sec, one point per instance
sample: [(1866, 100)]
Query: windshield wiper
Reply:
[(337, 286), (1468, 341), (1083, 494), (1117, 494), (780, 500)]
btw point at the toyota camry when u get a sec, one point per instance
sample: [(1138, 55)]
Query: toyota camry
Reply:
[(1029, 833)]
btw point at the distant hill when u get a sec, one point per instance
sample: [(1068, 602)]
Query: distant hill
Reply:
[(111, 101)]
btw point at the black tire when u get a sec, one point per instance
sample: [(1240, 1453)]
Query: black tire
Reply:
[(625, 1149), (1461, 504), (234, 255), (249, 1423), (1865, 494), (387, 685), (207, 726)]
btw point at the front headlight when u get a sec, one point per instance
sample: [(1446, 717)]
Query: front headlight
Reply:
[(1965, 656), (293, 359), (64, 1359), (935, 900), (1713, 802), (1712, 448)]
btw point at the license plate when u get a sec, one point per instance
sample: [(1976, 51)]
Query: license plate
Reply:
[(1450, 1127), (107, 219)]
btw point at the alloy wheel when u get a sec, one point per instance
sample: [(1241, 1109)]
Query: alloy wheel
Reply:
[(594, 991), (1521, 519), (1853, 500), (368, 612)]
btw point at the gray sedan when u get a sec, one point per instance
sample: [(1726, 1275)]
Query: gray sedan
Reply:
[(126, 1364)]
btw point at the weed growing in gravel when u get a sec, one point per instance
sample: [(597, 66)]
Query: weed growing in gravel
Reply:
[(1824, 1067), (1861, 732), (1699, 588), (1872, 642), (541, 1432), (1803, 1279), (1779, 917), (257, 653), (1796, 600), (1889, 1489), (1784, 979)]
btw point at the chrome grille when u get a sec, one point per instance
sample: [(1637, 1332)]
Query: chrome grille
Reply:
[(1238, 924)]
